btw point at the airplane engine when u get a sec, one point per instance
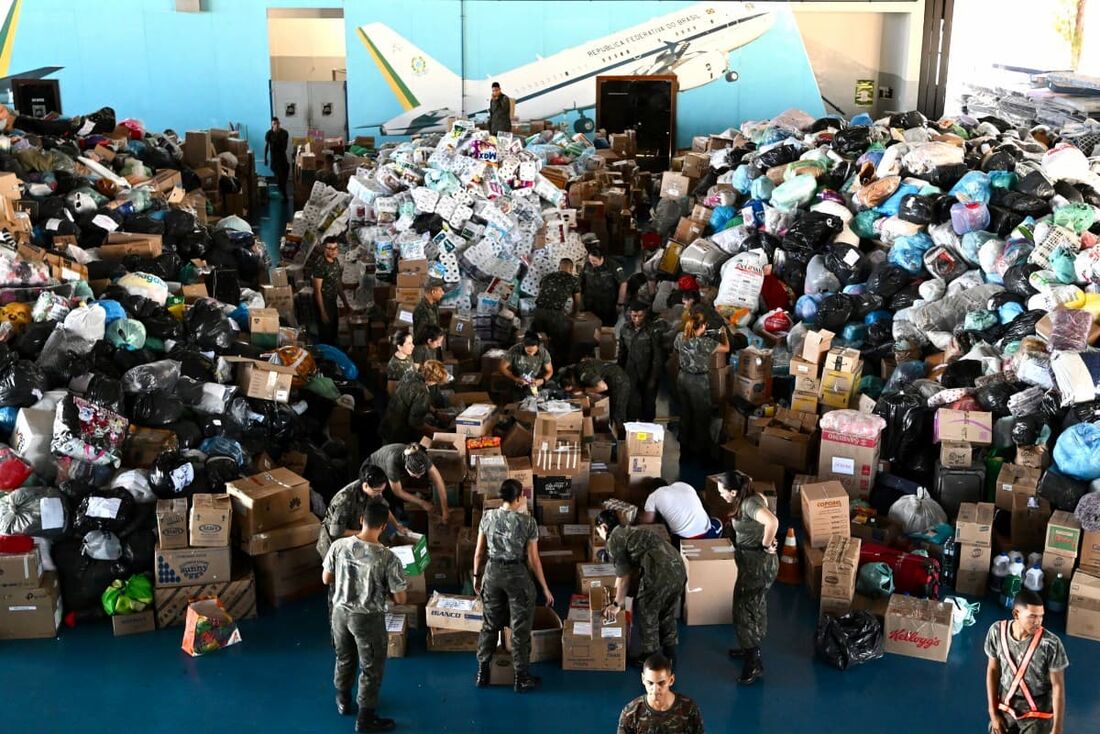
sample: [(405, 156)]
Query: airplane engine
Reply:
[(701, 70)]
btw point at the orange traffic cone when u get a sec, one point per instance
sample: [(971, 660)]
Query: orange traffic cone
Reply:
[(788, 561)]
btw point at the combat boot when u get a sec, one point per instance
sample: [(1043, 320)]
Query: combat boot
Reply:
[(343, 703), (754, 667), (482, 680), (525, 682), (369, 721)]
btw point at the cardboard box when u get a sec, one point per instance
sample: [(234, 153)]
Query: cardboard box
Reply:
[(444, 640), (288, 575), (1083, 615), (674, 185), (263, 326), (876, 529), (546, 632), (1036, 457), (594, 646), (120, 245), (962, 425), (840, 567), (645, 439), (688, 230), (1054, 564), (268, 500), (144, 445), (452, 612), (412, 551), (595, 575), (840, 359), (787, 448), (972, 583), (642, 467), (210, 517), (520, 469), (413, 614), (816, 345), (191, 566), (711, 576), (824, 512), (263, 380), (303, 531), (834, 607), (956, 454), (754, 390), (806, 374), (1089, 559), (974, 524), (448, 454), (918, 628), (1015, 479), (20, 570), (1030, 516), (813, 563), (557, 510), (838, 389), (31, 613), (238, 596), (849, 459), (397, 635), (1063, 535), (133, 624), (805, 402), (172, 523)]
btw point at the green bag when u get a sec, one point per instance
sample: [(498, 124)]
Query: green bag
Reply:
[(875, 580), (127, 598)]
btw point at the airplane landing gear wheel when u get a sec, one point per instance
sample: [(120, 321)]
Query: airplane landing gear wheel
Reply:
[(584, 125), (732, 76)]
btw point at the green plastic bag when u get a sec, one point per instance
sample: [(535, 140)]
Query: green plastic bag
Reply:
[(863, 224), (323, 386), (1078, 217), (875, 580), (127, 598), (796, 192)]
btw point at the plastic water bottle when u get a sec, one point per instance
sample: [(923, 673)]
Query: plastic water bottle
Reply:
[(1033, 579), (1000, 571), (1056, 595), (1015, 556), (1034, 559), (969, 217)]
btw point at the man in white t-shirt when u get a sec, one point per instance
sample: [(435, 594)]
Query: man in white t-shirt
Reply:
[(679, 506)]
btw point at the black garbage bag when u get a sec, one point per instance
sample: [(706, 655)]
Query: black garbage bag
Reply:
[(1068, 192), (106, 391), (1000, 160), (165, 267), (961, 373), (809, 234), (837, 176), (852, 141), (104, 509), (76, 490), (1026, 429), (158, 321), (1090, 195), (886, 280), (881, 332), (906, 120), (224, 284), (21, 382), (144, 224), (906, 297), (834, 311), (759, 240), (220, 470), (157, 408), (1002, 221), (1016, 279), (1001, 298), (853, 639), (193, 363), (192, 244), (188, 433), (790, 271), (908, 419), (994, 397), (29, 344), (208, 327), (777, 156), (917, 209), (248, 265), (21, 513), (1023, 325), (1035, 183), (82, 579), (1062, 492), (172, 475), (847, 263), (865, 303), (1019, 202), (178, 222), (947, 175)]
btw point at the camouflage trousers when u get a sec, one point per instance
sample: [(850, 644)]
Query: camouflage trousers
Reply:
[(1025, 726), (695, 411), (642, 405), (361, 636), (508, 600), (756, 571), (655, 613), (558, 330)]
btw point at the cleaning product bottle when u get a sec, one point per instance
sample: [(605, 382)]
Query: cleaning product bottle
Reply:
[(1033, 579), (1056, 595), (1000, 570), (1012, 584), (1015, 556), (1034, 559)]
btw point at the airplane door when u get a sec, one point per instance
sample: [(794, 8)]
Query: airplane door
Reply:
[(328, 108), (290, 103)]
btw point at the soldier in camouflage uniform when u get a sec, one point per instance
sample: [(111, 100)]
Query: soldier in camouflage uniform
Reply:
[(604, 378), (755, 527), (427, 311), (556, 290), (401, 461), (660, 711), (641, 355), (402, 362), (661, 582), (510, 537), (363, 574), (409, 415), (1038, 704), (603, 287), (326, 275), (527, 365), (694, 345), (432, 348)]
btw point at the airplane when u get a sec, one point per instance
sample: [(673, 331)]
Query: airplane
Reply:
[(7, 39), (693, 43)]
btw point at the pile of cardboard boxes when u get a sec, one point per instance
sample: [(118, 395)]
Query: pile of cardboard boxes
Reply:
[(30, 597), (202, 151)]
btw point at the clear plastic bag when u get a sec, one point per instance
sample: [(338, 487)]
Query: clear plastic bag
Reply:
[(146, 378), (853, 423), (1069, 329), (917, 513)]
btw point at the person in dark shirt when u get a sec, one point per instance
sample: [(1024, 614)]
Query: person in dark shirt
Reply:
[(326, 274), (556, 291), (660, 711), (275, 142), (500, 112)]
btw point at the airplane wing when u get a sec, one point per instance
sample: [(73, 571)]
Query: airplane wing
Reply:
[(40, 73), (416, 120)]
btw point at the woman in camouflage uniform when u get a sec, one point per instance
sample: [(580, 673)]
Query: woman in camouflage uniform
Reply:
[(755, 527), (408, 415), (401, 363), (528, 365), (694, 346), (511, 538)]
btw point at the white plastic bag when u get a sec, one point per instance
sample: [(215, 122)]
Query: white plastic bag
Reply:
[(917, 513)]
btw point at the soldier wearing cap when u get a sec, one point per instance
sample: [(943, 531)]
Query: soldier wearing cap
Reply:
[(427, 311)]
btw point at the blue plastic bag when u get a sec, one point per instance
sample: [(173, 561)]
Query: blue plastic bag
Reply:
[(1077, 452), (343, 361), (721, 216), (112, 308), (908, 252), (972, 188), (892, 206), (741, 181)]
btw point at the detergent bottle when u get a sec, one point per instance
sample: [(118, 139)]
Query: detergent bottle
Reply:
[(1033, 579), (1000, 570)]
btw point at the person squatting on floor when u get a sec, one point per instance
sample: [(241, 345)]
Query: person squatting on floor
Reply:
[(511, 538), (364, 574)]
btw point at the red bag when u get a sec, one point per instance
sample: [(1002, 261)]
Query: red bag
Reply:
[(913, 574)]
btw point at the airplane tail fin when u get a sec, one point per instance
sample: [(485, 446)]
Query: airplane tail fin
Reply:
[(414, 77)]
